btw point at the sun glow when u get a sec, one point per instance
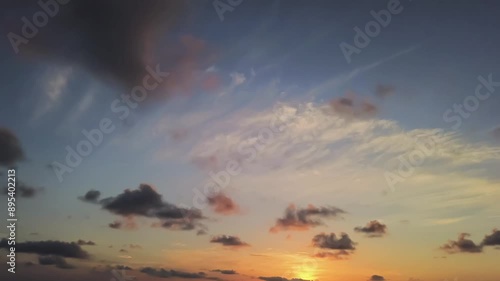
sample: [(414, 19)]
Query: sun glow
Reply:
[(307, 271)]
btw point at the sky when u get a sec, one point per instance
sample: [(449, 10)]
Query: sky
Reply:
[(251, 140)]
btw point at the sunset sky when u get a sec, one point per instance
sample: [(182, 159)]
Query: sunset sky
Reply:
[(260, 151)]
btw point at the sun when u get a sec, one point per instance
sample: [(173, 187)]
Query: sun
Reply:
[(306, 272)]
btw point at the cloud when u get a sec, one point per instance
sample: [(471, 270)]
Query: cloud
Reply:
[(376, 278), (229, 241), (54, 87), (58, 248), (222, 204), (304, 219), (146, 202), (142, 202), (85, 243), (11, 151), (91, 196), (58, 261), (122, 267), (275, 278), (383, 91), (123, 251), (127, 223), (165, 273), (23, 190), (223, 271), (352, 107), (99, 35), (115, 225), (330, 241), (338, 255), (462, 245), (373, 229), (135, 246), (306, 137), (237, 78), (493, 239)]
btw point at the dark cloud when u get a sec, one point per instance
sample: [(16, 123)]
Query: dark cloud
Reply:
[(330, 241), (222, 204), (230, 241), (142, 202), (110, 38), (222, 271), (338, 255), (493, 239), (115, 225), (383, 91), (304, 219), (165, 273), (117, 40), (123, 251), (122, 267), (85, 243), (10, 148), (351, 106), (23, 190), (127, 223), (58, 248), (275, 278), (201, 232), (146, 202), (373, 229), (91, 196), (462, 245), (376, 278), (58, 261), (134, 246)]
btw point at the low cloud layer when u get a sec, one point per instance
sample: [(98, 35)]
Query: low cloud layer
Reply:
[(23, 190), (373, 229), (224, 271), (330, 241), (57, 248), (91, 196), (85, 243), (58, 261), (493, 239), (11, 151), (229, 241), (304, 219), (146, 202), (275, 278), (165, 273), (465, 245), (462, 245), (337, 255), (377, 278)]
